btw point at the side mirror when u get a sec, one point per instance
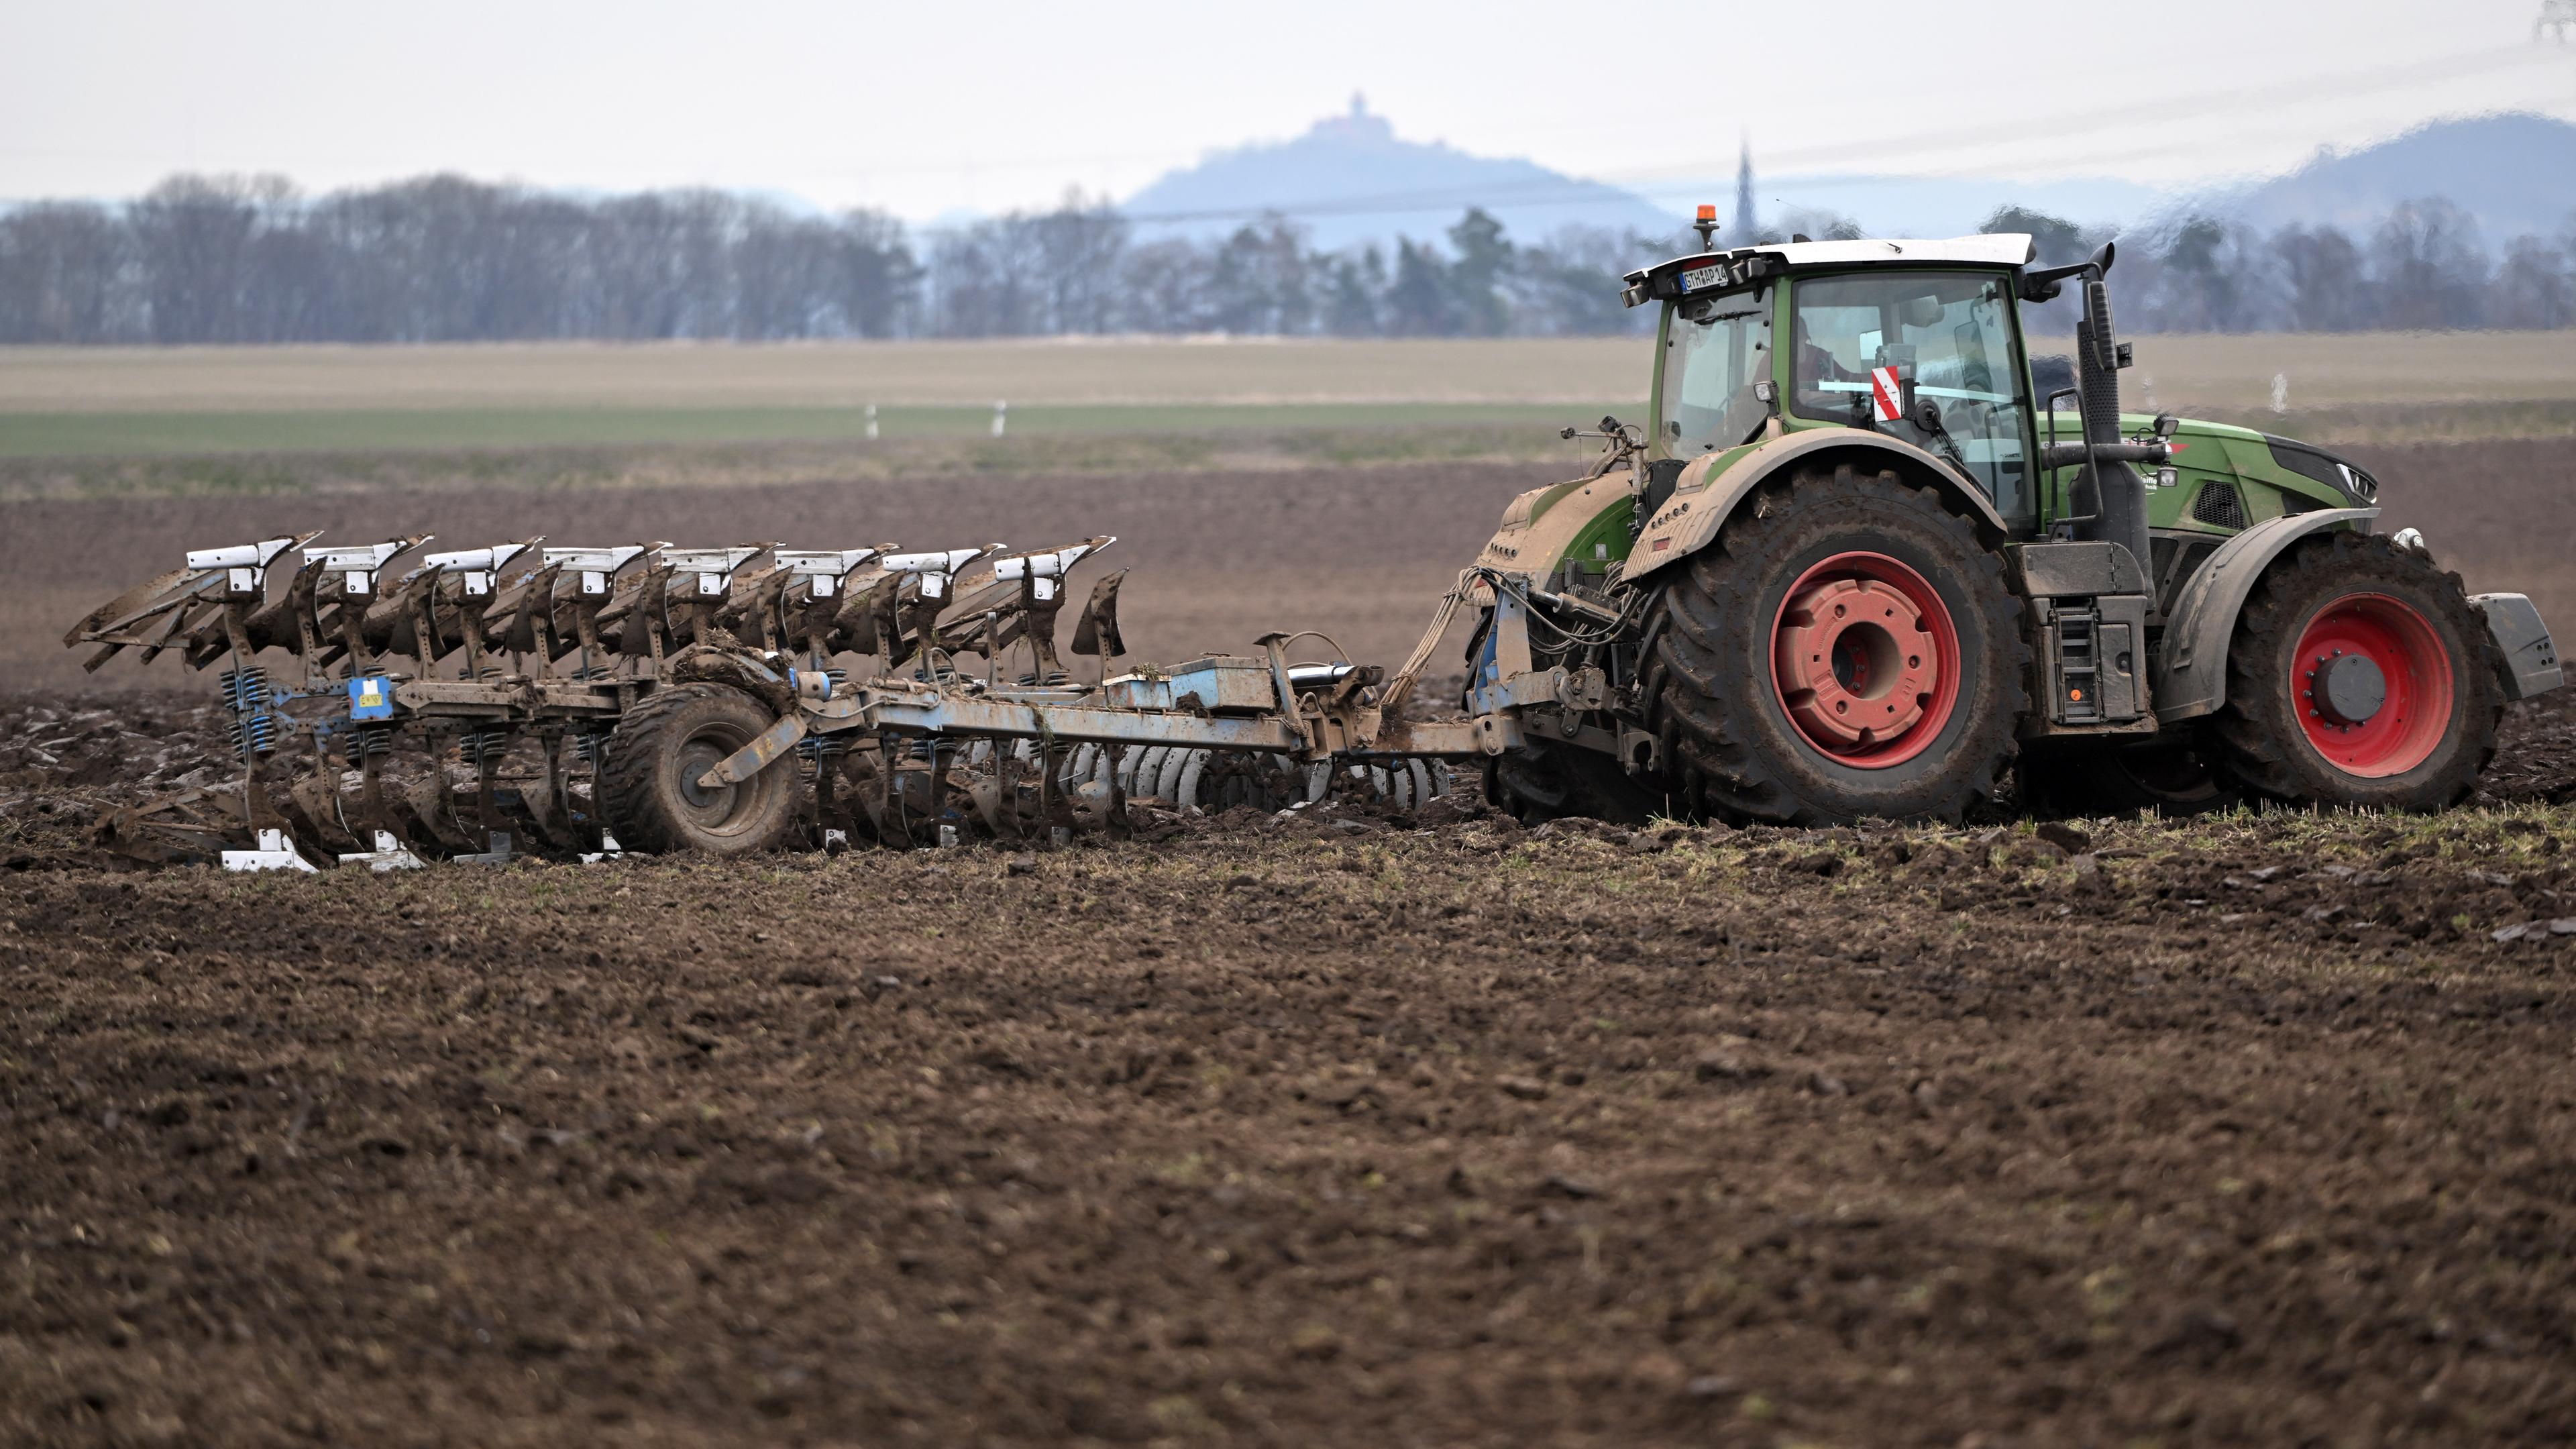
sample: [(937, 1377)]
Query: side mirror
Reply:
[(2044, 284), (2097, 312), (2166, 423)]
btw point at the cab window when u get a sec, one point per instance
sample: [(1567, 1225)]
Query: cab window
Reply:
[(1953, 333), (1715, 350)]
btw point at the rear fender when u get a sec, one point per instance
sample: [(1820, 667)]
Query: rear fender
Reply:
[(2191, 674), (1542, 527), (1704, 496)]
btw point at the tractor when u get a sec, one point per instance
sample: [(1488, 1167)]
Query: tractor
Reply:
[(1857, 563)]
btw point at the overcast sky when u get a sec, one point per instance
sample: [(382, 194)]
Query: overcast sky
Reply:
[(923, 109)]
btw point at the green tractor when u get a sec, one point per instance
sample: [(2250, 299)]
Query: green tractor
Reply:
[(1858, 563)]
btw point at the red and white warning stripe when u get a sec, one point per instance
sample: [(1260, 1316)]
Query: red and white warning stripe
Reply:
[(1884, 391)]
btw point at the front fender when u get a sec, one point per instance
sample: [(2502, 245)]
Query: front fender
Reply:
[(1704, 497), (2191, 673)]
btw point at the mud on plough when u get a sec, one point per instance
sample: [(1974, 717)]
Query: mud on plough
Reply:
[(390, 707)]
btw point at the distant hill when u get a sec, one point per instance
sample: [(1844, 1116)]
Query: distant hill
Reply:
[(2515, 173), (1350, 181)]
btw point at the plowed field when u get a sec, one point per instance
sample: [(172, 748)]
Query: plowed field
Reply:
[(1257, 1131)]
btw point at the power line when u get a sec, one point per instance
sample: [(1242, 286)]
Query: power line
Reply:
[(2095, 119)]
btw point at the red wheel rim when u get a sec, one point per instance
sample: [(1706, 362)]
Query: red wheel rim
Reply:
[(2367, 634), (1866, 660)]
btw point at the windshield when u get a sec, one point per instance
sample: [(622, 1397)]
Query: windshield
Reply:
[(1955, 333), (1715, 350)]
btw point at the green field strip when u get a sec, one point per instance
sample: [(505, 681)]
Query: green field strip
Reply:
[(91, 434)]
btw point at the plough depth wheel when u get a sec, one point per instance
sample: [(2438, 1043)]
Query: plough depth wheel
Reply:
[(648, 779)]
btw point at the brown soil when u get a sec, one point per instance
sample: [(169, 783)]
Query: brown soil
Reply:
[(2503, 514), (1254, 1131), (1432, 1131)]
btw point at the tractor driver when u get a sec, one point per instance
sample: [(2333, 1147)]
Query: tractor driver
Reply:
[(1815, 368)]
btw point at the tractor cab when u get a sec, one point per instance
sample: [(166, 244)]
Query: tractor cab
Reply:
[(1922, 342), (1918, 341)]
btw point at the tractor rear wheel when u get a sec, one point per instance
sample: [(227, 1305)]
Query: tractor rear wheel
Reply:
[(2359, 675), (648, 776), (1847, 648)]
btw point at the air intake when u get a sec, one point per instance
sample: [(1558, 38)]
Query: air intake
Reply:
[(2219, 506)]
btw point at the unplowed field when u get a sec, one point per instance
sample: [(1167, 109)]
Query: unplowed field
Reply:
[(1334, 1128)]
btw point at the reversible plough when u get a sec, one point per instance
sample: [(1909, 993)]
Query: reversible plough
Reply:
[(579, 702)]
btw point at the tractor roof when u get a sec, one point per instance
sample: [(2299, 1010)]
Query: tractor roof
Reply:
[(1718, 271)]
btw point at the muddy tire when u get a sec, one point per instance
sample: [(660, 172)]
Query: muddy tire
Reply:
[(648, 776), (2170, 778), (2360, 675), (1846, 648)]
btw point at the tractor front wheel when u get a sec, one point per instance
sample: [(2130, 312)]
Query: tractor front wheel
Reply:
[(1847, 648), (2359, 675), (648, 775)]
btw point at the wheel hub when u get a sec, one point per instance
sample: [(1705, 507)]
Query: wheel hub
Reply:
[(2347, 689), (1856, 663), (709, 804), (2372, 685)]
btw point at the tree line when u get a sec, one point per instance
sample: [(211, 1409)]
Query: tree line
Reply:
[(2424, 267), (446, 259)]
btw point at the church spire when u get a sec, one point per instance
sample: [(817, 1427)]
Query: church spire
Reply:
[(1746, 229)]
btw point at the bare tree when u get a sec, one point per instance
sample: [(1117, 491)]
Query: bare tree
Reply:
[(2532, 289), (2324, 288), (2430, 271), (63, 275), (1076, 248), (2209, 279), (1171, 286), (1569, 284), (195, 238)]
